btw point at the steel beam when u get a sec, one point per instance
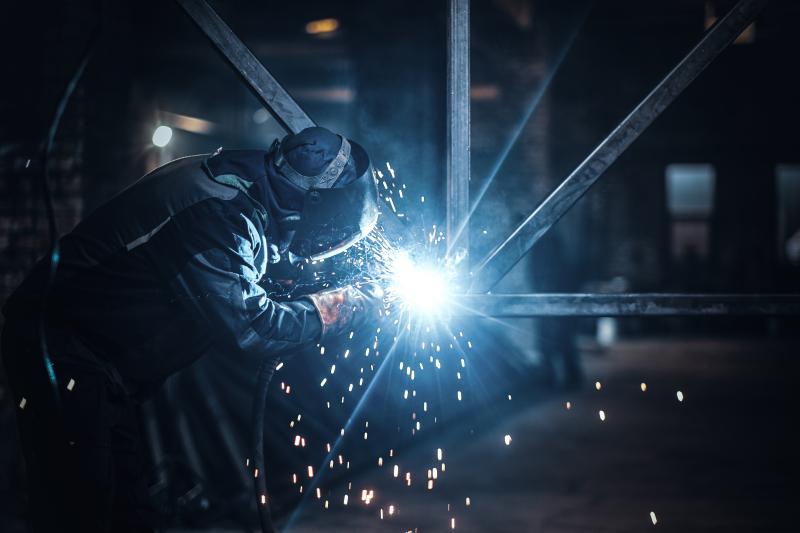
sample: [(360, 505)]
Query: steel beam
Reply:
[(643, 304), (266, 88), (458, 127), (500, 260)]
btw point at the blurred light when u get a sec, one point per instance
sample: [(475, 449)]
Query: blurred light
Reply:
[(507, 440), (336, 95), (690, 189), (187, 123), (260, 116), (316, 27), (483, 93), (606, 331), (162, 136)]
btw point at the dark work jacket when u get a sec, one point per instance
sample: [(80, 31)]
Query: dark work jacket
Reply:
[(168, 267)]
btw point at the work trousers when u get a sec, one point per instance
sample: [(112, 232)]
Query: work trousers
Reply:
[(80, 437)]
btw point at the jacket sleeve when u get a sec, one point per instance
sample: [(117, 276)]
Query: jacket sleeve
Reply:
[(216, 281)]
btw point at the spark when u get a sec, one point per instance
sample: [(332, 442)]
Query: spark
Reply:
[(602, 415), (679, 394), (418, 283), (653, 517), (597, 385), (643, 386), (507, 440)]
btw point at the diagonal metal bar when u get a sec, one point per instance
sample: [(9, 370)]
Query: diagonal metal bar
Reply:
[(503, 258), (458, 127), (642, 304), (266, 88)]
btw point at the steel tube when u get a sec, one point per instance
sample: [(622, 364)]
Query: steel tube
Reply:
[(642, 304), (458, 127), (266, 88)]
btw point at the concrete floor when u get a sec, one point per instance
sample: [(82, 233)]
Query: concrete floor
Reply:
[(723, 459)]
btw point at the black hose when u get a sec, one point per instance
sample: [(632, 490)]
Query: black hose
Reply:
[(265, 371), (54, 255)]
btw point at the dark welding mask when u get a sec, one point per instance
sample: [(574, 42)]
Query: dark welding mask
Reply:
[(339, 208)]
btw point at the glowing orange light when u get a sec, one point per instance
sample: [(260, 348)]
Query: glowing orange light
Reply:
[(315, 27)]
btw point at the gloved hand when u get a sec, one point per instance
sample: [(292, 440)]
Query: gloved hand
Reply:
[(347, 308)]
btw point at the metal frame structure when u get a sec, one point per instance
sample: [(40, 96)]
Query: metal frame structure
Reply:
[(491, 269), (502, 259)]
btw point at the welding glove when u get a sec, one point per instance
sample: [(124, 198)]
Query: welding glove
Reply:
[(347, 308)]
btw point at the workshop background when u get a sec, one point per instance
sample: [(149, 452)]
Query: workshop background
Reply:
[(700, 411)]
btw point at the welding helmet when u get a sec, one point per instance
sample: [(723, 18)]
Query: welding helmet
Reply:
[(339, 191)]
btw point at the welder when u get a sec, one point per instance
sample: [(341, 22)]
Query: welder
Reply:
[(153, 279)]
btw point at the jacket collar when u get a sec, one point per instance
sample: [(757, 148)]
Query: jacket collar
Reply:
[(247, 170), (247, 165)]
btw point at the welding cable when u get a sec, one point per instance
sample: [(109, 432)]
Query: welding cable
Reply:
[(54, 255), (265, 371)]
